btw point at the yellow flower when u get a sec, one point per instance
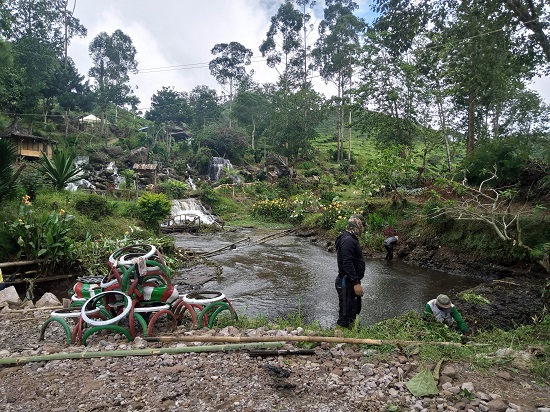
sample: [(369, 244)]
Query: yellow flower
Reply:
[(61, 212)]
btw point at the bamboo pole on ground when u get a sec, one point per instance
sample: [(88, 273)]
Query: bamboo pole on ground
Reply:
[(137, 352), (292, 338)]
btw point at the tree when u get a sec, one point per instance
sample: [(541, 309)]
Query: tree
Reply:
[(289, 135), (47, 20), (252, 108), (282, 44), (336, 51), (169, 105), (488, 206), (113, 59), (170, 108), (228, 68), (72, 91), (206, 110), (8, 156), (35, 65)]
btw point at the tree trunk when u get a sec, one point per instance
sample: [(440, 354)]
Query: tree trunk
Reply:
[(253, 135), (471, 124), (443, 122)]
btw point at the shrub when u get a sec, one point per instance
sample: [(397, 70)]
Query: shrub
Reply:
[(93, 206), (277, 209), (42, 235), (336, 215), (153, 208), (174, 189)]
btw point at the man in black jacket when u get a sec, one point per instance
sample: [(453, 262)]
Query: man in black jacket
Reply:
[(351, 269)]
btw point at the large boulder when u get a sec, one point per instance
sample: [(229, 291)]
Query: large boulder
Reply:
[(48, 299), (139, 155)]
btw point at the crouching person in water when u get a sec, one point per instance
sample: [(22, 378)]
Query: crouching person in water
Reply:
[(351, 269), (443, 310)]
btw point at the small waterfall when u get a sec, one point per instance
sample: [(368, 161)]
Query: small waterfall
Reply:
[(116, 178), (191, 184), (187, 209), (215, 169)]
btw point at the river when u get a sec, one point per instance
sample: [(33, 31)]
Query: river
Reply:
[(291, 274)]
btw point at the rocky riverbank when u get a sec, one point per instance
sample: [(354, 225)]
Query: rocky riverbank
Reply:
[(337, 377)]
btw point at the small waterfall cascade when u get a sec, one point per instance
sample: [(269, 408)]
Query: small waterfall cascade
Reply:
[(187, 209), (80, 161), (215, 169), (191, 184), (116, 178)]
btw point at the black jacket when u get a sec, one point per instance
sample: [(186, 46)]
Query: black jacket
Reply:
[(350, 258)]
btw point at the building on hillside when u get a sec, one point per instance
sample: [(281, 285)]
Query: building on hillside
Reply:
[(28, 145)]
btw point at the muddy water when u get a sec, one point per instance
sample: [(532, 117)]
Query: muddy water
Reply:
[(290, 274)]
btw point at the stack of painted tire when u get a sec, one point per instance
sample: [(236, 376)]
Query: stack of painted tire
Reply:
[(138, 288)]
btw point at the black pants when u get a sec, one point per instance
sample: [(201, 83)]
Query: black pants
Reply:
[(389, 252), (349, 304)]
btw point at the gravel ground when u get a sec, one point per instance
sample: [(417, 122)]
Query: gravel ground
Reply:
[(338, 377)]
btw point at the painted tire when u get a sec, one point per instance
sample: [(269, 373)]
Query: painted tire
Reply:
[(59, 320), (93, 301), (201, 299), (137, 250)]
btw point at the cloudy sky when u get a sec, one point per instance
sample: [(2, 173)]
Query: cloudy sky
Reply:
[(173, 38)]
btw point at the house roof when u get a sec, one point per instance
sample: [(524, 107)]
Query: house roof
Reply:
[(14, 131), (145, 166)]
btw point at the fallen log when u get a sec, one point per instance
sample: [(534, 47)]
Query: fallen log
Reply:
[(135, 352), (292, 338)]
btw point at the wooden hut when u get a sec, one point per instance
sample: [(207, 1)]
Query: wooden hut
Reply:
[(28, 146)]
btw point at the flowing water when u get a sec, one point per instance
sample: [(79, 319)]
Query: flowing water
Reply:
[(290, 274)]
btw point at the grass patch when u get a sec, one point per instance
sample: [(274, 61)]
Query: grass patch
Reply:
[(473, 298)]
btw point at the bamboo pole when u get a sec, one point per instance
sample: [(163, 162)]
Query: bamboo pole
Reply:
[(20, 263), (136, 352), (32, 309), (292, 338), (206, 254)]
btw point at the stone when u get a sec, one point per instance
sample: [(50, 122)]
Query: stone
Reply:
[(449, 370), (48, 299), (468, 386), (9, 296), (505, 375), (497, 405), (483, 396)]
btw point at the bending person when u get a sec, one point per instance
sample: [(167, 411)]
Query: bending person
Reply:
[(389, 244), (443, 310)]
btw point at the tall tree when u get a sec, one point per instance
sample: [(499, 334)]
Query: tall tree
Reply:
[(289, 135), (47, 20), (206, 109), (169, 105), (229, 67), (283, 45), (252, 108), (336, 51), (113, 60)]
